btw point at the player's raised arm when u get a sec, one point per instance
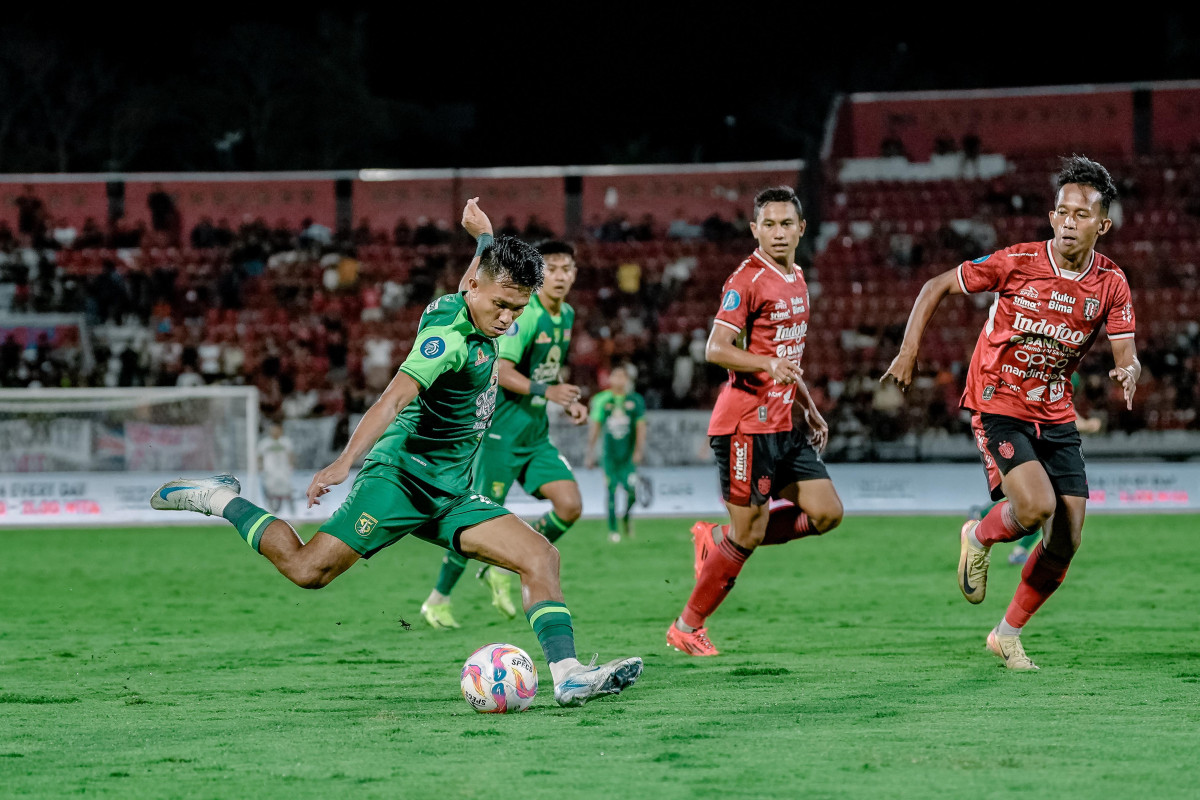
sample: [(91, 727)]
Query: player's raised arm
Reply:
[(1128, 369), (400, 392), (723, 351), (932, 293), (476, 223)]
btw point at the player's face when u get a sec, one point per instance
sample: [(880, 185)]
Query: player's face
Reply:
[(559, 275), (1078, 220), (495, 306), (778, 230), (618, 382)]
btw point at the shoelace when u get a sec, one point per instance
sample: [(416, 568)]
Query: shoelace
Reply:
[(702, 637)]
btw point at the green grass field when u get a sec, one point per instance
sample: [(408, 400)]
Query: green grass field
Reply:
[(176, 663)]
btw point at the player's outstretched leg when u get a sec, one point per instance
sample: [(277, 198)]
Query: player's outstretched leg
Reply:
[(509, 543), (436, 609), (310, 565)]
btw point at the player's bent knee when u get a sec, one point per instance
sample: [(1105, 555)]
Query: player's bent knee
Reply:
[(824, 523), (569, 511)]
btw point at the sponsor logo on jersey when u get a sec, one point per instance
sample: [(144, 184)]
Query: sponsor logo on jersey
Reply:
[(566, 335), (788, 333), (433, 347), (798, 305), (988, 391), (731, 300), (1127, 312), (366, 523), (1057, 389), (1046, 328), (481, 357), (781, 305), (981, 259), (1024, 255), (1035, 394), (792, 351), (1006, 450), (1029, 304), (543, 338), (1059, 301), (776, 316), (1030, 292), (741, 456), (1091, 307), (512, 330)]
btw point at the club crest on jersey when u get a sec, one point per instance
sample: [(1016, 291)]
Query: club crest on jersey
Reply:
[(433, 347), (731, 300), (481, 357), (366, 523), (988, 391), (764, 485), (1006, 450), (543, 338), (1091, 307)]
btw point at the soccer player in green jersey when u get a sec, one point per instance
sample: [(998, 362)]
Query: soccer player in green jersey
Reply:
[(420, 440), (621, 414), (517, 447)]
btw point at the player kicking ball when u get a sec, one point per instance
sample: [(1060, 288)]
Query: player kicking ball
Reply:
[(518, 446), (761, 453), (420, 440), (620, 413), (1052, 299)]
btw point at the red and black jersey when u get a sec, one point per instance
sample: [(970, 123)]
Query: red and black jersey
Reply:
[(772, 307), (1040, 326)]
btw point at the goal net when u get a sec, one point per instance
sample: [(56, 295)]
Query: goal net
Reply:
[(95, 455)]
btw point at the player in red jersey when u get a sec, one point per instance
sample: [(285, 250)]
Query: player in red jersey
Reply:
[(760, 453), (1052, 299)]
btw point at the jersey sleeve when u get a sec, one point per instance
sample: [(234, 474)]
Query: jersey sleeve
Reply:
[(639, 408), (513, 345), (1121, 322), (984, 274), (736, 300), (598, 402), (437, 350)]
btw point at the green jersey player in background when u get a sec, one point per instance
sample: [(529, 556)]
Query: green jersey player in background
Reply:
[(420, 439), (621, 414), (518, 446)]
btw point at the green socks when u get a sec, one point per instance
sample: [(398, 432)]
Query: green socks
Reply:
[(551, 526), (551, 621), (453, 566), (250, 520)]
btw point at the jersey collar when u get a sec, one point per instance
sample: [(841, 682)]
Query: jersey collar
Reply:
[(769, 264), (1058, 272)]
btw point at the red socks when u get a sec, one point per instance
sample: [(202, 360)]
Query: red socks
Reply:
[(1043, 573), (787, 522), (1000, 525), (716, 580)]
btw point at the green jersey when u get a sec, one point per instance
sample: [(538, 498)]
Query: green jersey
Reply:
[(618, 416), (437, 435), (537, 344)]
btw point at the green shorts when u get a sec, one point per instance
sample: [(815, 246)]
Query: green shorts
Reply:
[(500, 464), (386, 504), (620, 475)]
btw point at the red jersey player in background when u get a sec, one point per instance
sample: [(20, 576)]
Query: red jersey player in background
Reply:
[(760, 453), (1052, 299)]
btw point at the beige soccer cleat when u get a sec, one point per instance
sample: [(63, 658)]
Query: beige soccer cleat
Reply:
[(1010, 650), (972, 565)]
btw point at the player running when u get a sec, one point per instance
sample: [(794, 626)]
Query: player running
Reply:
[(518, 446), (1052, 300), (420, 439), (761, 453), (621, 414), (276, 461)]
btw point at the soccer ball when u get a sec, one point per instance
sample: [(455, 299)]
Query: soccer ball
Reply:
[(499, 678)]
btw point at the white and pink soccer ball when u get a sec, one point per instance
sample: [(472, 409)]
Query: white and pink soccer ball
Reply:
[(499, 678)]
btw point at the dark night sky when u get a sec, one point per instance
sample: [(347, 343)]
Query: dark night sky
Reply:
[(613, 83)]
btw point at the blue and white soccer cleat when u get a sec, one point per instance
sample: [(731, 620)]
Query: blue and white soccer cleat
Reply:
[(192, 495), (591, 681)]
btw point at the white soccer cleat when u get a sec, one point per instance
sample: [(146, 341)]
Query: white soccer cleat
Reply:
[(192, 495), (972, 565), (590, 682), (1010, 650)]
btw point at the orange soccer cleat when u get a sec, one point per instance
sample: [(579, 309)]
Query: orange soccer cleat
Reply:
[(702, 539), (695, 643)]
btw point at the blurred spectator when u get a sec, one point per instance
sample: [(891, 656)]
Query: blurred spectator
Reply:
[(64, 233), (31, 214), (402, 234), (164, 217)]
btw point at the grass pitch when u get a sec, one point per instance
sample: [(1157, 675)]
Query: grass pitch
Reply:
[(175, 663)]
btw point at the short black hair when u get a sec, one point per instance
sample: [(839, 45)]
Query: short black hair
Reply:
[(1085, 172), (509, 260), (777, 194), (554, 247)]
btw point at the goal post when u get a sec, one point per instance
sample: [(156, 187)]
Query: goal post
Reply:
[(94, 456)]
